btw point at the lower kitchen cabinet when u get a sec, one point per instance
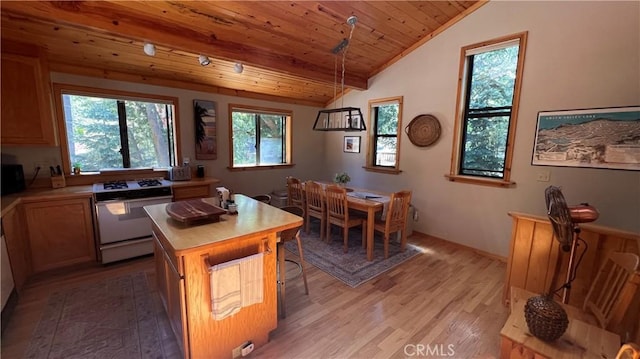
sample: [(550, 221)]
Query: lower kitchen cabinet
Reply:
[(191, 192), (171, 287), (60, 233), (17, 246)]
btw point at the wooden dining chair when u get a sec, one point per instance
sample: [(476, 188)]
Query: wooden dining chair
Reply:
[(395, 219), (295, 196), (315, 206), (338, 214), (286, 236), (613, 289)]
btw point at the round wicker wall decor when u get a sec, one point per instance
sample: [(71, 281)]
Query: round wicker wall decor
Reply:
[(423, 130)]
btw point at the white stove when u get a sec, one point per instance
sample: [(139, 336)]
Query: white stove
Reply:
[(124, 228)]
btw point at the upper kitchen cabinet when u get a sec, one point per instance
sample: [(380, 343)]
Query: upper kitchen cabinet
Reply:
[(27, 111)]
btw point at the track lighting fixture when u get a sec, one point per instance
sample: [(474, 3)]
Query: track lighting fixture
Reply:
[(238, 68), (204, 60), (149, 49)]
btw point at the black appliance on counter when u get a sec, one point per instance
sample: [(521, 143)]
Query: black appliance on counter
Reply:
[(12, 179)]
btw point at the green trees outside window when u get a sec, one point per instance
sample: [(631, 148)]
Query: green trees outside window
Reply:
[(259, 138), (118, 133)]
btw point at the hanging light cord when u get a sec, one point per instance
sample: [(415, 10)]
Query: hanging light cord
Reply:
[(344, 56)]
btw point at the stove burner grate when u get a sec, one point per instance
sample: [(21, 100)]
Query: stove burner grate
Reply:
[(149, 182), (115, 185)]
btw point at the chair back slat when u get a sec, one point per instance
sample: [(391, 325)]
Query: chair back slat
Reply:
[(337, 205), (608, 295), (397, 211), (294, 192), (315, 196)]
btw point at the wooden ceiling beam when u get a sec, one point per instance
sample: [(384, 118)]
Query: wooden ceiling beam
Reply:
[(137, 78), (114, 19)]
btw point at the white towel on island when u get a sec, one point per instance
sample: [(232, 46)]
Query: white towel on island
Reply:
[(236, 284)]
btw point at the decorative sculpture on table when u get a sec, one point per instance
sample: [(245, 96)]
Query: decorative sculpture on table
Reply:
[(545, 317)]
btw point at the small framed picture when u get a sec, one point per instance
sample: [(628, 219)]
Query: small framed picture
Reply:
[(352, 144)]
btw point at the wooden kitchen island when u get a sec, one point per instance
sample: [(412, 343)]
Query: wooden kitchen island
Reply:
[(182, 255)]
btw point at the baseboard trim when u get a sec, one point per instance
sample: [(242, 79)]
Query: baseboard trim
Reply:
[(427, 237)]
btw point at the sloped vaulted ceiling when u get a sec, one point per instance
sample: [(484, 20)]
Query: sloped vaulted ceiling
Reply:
[(285, 46)]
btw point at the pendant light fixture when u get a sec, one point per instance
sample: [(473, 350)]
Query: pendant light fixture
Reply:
[(343, 118)]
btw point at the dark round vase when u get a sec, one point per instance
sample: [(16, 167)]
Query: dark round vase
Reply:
[(546, 319)]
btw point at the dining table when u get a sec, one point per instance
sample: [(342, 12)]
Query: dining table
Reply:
[(369, 201)]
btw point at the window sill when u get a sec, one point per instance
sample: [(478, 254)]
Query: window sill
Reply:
[(389, 170), (480, 181), (253, 168)]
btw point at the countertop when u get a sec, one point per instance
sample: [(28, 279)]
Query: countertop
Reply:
[(82, 191), (253, 218)]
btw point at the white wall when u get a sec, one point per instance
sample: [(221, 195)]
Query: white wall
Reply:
[(579, 55), (307, 144)]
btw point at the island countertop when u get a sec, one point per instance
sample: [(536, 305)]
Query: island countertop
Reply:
[(254, 217)]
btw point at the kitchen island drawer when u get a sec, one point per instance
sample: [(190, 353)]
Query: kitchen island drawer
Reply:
[(198, 191)]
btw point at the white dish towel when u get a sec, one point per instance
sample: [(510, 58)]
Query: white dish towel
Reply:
[(236, 284)]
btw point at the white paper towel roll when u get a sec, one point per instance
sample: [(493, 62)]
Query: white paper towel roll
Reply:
[(223, 195)]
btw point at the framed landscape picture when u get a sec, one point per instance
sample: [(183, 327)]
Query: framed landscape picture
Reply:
[(352, 144), (204, 113), (595, 138)]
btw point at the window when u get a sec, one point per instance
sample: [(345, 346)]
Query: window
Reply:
[(105, 129), (260, 137), (384, 143), (487, 108)]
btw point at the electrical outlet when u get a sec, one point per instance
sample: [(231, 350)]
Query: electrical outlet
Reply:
[(43, 166), (543, 176), (415, 215)]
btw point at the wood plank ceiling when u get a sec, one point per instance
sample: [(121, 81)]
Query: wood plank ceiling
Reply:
[(284, 46)]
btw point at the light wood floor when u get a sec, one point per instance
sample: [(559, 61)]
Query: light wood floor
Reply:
[(445, 301)]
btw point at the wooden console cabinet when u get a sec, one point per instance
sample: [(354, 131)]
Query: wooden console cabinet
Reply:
[(534, 252), (60, 232)]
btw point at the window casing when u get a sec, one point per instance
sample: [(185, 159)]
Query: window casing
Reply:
[(486, 110), (105, 129), (259, 137), (385, 116)]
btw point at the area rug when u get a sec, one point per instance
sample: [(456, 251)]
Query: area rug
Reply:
[(112, 318), (352, 267)]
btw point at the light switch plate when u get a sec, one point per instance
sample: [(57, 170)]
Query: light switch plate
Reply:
[(543, 176)]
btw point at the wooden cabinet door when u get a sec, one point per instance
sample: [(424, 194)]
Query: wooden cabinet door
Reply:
[(60, 233), (27, 116), (171, 288), (17, 246), (183, 193)]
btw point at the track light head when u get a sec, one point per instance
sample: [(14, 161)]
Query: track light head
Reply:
[(238, 68), (149, 49), (204, 60)]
